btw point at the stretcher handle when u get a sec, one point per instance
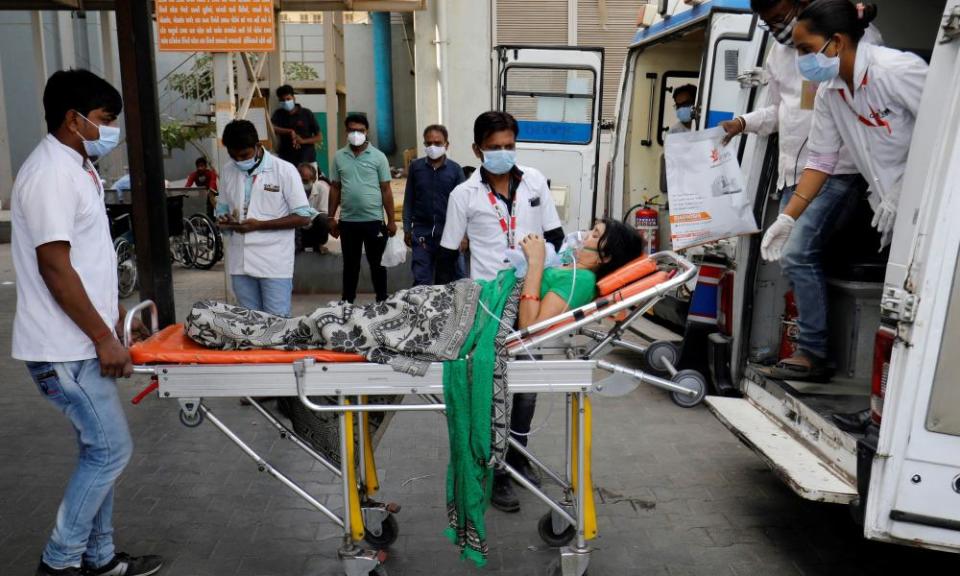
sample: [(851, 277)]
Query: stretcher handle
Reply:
[(132, 313), (596, 310), (154, 384)]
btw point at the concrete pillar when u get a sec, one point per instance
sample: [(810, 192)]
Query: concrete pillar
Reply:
[(224, 97), (108, 45), (6, 172), (334, 78), (39, 59), (67, 46)]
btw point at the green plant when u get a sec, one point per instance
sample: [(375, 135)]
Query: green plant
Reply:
[(177, 135), (195, 84), (294, 71)]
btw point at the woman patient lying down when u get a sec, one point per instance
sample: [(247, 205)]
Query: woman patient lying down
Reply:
[(424, 324)]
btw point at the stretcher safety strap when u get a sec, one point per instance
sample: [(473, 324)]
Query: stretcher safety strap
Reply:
[(371, 481), (589, 506), (349, 464)]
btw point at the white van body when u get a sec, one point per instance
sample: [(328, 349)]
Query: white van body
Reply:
[(903, 475)]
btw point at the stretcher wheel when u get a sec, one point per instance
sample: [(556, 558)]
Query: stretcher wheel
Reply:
[(661, 352), (191, 421), (389, 530), (692, 380), (551, 538)]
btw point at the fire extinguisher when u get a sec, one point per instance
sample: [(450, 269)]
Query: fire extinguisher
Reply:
[(789, 331), (648, 227)]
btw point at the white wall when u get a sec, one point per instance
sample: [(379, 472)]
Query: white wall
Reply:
[(469, 55)]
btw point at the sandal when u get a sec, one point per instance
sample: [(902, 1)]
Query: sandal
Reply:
[(803, 366)]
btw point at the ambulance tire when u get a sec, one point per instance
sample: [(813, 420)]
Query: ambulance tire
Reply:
[(693, 380), (389, 531), (551, 538)]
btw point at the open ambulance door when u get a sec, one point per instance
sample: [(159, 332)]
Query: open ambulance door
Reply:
[(914, 477), (555, 95)]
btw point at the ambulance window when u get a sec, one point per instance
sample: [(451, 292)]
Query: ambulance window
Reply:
[(943, 415), (552, 105), (668, 113)]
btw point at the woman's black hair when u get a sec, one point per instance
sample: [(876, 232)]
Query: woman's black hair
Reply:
[(828, 17), (761, 5), (491, 122), (79, 90), (618, 245), (240, 135)]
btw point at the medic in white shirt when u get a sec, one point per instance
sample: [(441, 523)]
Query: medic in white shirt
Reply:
[(867, 103)]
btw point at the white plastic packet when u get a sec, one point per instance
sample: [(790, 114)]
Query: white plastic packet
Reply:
[(707, 191), (395, 253)]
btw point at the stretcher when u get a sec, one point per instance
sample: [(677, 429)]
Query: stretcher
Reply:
[(562, 355)]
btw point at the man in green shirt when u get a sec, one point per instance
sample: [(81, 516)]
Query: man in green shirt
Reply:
[(361, 190)]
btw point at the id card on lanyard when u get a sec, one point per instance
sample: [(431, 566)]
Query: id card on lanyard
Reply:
[(511, 230)]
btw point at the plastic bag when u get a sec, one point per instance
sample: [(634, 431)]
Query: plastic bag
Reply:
[(395, 253), (708, 194)]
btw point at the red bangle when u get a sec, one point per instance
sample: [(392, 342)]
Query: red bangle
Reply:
[(529, 297)]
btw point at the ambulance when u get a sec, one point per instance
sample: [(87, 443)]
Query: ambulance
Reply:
[(894, 318)]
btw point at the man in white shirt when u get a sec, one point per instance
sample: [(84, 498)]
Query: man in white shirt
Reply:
[(789, 111), (261, 202), (497, 206), (67, 320)]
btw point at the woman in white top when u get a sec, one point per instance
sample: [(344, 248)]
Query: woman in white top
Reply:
[(867, 102)]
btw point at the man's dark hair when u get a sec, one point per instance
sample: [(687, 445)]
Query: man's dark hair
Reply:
[(201, 160), (828, 17), (285, 90), (79, 90), (437, 128), (491, 122), (240, 135), (357, 119), (688, 89)]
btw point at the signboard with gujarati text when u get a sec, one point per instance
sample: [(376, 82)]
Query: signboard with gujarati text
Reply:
[(215, 25)]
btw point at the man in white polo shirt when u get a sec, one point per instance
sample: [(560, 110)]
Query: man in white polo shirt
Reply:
[(66, 323), (497, 206)]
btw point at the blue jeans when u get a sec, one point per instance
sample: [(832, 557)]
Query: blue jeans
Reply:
[(802, 259), (84, 529), (270, 295), (426, 247)]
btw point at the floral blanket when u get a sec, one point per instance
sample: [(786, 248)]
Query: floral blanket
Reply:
[(408, 331)]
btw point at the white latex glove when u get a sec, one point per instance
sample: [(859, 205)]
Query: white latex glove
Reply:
[(771, 248), (884, 217)]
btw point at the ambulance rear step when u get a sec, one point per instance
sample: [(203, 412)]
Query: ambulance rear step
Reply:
[(804, 471)]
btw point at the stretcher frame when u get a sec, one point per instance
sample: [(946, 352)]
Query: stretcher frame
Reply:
[(571, 375)]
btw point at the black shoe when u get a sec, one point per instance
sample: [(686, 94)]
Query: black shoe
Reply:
[(531, 473), (126, 565), (504, 498), (856, 422), (44, 570)]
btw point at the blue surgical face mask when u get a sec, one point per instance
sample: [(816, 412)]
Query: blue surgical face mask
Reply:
[(248, 164), (499, 161), (685, 114), (819, 67), (108, 140), (288, 105)]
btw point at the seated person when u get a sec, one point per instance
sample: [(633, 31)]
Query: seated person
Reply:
[(684, 102), (317, 187), (204, 177)]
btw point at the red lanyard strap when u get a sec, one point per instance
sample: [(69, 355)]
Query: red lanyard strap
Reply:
[(510, 231), (875, 121)]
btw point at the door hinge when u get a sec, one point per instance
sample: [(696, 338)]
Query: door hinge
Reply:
[(898, 305), (752, 78), (951, 26)]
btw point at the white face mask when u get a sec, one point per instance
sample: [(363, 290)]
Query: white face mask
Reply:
[(356, 138), (436, 152)]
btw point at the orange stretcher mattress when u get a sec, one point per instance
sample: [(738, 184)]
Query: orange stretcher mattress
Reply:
[(172, 346)]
